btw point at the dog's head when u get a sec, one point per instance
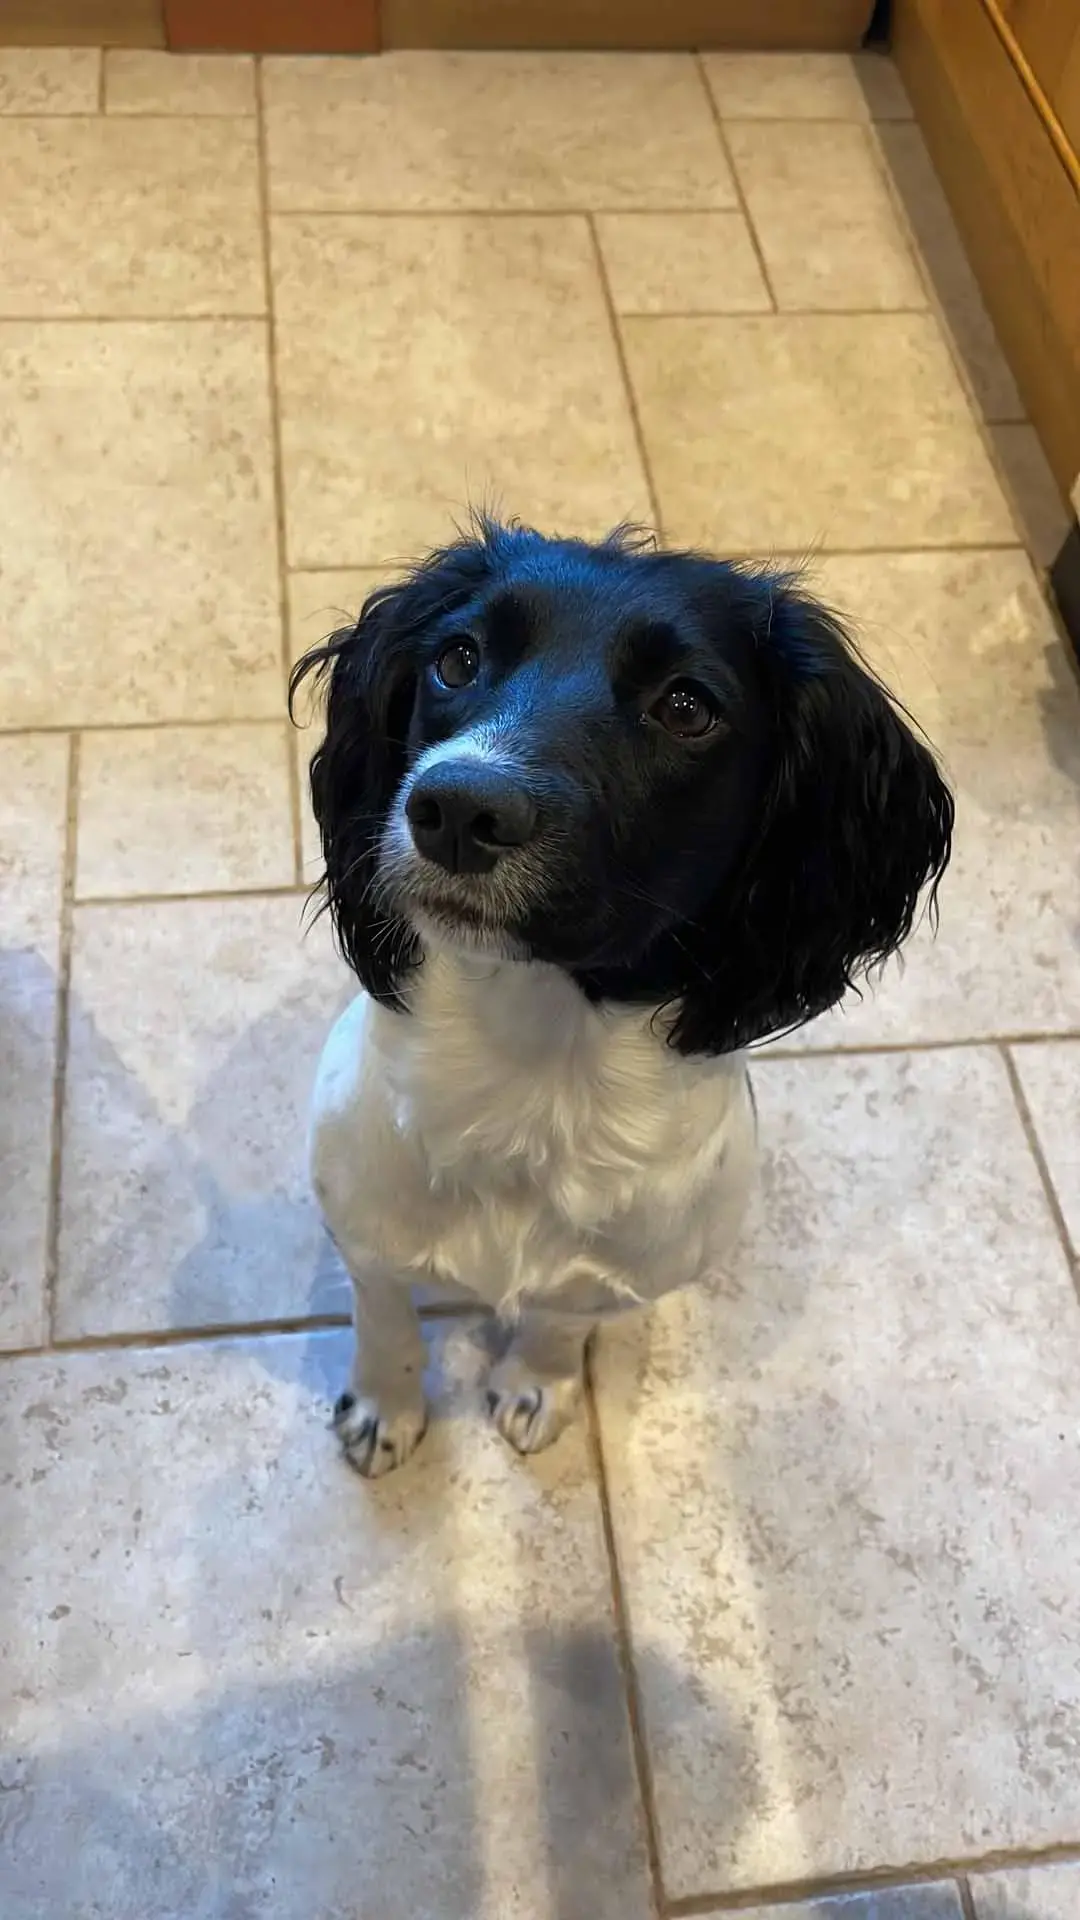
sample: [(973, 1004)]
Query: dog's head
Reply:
[(667, 775)]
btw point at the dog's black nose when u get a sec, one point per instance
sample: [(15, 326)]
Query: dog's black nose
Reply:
[(463, 814)]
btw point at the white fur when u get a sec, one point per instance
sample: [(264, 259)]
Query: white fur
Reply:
[(555, 1160)]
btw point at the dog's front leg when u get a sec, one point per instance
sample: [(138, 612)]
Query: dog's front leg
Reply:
[(381, 1416), (534, 1391)]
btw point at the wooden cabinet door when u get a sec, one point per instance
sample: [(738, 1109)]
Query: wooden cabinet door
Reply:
[(1047, 33), (1065, 94)]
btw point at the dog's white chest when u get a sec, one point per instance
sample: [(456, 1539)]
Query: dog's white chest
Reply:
[(506, 1135), (508, 1077)]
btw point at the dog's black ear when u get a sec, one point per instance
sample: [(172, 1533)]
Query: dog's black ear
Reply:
[(857, 821), (369, 674)]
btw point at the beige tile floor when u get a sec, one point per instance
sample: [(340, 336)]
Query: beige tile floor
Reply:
[(791, 1625)]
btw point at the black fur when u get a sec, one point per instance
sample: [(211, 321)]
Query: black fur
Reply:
[(741, 882)]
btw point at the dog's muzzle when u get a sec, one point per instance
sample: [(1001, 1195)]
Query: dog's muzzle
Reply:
[(465, 815)]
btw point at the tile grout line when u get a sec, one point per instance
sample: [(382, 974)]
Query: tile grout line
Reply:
[(1027, 1121), (939, 311), (624, 372), (249, 113), (759, 553), (775, 313), (936, 305), (967, 1898), (62, 1033), (624, 1647), (227, 118), (826, 551), (761, 1056), (293, 773), (812, 119), (879, 166), (289, 890), (744, 205), (571, 211), (149, 1340), (139, 726), (796, 1893), (239, 317)]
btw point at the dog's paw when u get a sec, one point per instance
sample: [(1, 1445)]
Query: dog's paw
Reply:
[(376, 1437), (530, 1414)]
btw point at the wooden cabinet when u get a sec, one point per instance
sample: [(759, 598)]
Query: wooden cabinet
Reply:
[(274, 26), (996, 87), (624, 23), (1065, 97), (1047, 37), (360, 26), (82, 23), (1044, 30)]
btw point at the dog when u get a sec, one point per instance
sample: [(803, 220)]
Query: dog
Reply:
[(596, 818)]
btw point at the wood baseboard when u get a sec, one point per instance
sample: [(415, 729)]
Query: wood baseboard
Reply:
[(273, 26), (1014, 202), (802, 24), (360, 26), (82, 23)]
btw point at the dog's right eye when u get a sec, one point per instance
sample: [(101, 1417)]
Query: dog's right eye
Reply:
[(458, 665)]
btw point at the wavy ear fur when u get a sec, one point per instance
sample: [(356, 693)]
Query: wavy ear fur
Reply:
[(369, 672), (857, 820)]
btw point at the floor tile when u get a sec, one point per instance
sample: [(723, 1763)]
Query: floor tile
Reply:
[(681, 263), (255, 1684), (143, 81), (837, 1488), (1043, 516), (196, 1028), (469, 359), (1050, 1077), (452, 131), (33, 816), (823, 216), (955, 285), (933, 1900), (137, 524), (781, 432), (141, 217), (786, 86), (185, 810), (882, 88), (319, 603), (1029, 1893), (966, 642), (49, 79)]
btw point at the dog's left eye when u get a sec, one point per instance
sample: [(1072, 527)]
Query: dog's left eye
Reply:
[(685, 711), (458, 664)]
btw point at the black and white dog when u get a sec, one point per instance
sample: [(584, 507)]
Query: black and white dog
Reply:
[(595, 819)]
